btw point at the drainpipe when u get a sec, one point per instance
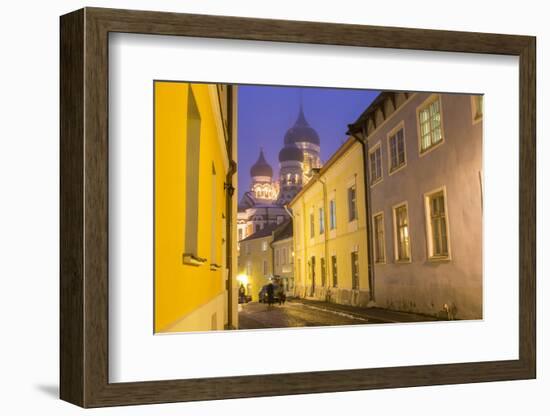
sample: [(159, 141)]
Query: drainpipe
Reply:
[(326, 229), (362, 138), (305, 219), (230, 190)]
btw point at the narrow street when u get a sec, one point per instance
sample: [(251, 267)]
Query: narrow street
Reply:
[(302, 313)]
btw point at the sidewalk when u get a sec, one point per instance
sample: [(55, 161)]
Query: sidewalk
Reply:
[(374, 315)]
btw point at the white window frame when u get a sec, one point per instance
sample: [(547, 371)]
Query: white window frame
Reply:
[(264, 245), (377, 214), (353, 185), (376, 148), (432, 98), (395, 238), (427, 213), (332, 213), (393, 132)]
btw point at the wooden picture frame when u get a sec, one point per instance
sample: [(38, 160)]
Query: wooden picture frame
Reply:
[(84, 207)]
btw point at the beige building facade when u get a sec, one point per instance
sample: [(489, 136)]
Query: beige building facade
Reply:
[(283, 257), (255, 263)]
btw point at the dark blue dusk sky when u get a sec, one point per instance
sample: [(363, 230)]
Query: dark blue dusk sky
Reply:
[(265, 113)]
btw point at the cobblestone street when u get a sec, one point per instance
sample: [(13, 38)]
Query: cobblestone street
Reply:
[(302, 313)]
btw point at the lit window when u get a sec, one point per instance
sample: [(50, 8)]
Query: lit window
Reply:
[(375, 165), (352, 203), (397, 150), (321, 220), (402, 240), (354, 270), (379, 240), (264, 245), (332, 207), (429, 118), (438, 245)]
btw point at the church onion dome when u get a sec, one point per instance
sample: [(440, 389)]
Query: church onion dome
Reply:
[(301, 131), (291, 153), (261, 167)]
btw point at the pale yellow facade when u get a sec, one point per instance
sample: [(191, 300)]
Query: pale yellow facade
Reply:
[(255, 264), (330, 236)]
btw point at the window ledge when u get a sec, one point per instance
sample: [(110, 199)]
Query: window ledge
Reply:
[(214, 267), (439, 259), (400, 167), (192, 260), (431, 148)]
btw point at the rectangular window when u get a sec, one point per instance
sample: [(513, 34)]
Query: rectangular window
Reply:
[(375, 165), (214, 219), (247, 248), (352, 203), (429, 118), (240, 234), (192, 157), (277, 257), (264, 245), (323, 272), (332, 207), (402, 239), (280, 219), (354, 270), (334, 267), (311, 225), (438, 245), (379, 240), (397, 150), (321, 220), (265, 267)]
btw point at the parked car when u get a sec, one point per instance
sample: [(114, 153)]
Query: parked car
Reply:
[(278, 294)]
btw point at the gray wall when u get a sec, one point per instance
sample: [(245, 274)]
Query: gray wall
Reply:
[(423, 285)]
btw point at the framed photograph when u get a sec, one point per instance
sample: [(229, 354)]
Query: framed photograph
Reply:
[(256, 207)]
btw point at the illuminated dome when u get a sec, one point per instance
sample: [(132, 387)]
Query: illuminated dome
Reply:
[(291, 153), (301, 131), (261, 167)]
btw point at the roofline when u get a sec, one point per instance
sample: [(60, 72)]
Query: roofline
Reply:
[(333, 159)]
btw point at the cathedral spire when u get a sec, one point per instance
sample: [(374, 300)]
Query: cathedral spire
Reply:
[(301, 120)]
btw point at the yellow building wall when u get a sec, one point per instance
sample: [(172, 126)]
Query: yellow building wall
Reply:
[(180, 289), (341, 241)]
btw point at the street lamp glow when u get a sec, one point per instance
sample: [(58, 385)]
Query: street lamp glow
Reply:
[(242, 279)]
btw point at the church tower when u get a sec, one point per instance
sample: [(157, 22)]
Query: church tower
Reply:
[(262, 187), (299, 156)]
